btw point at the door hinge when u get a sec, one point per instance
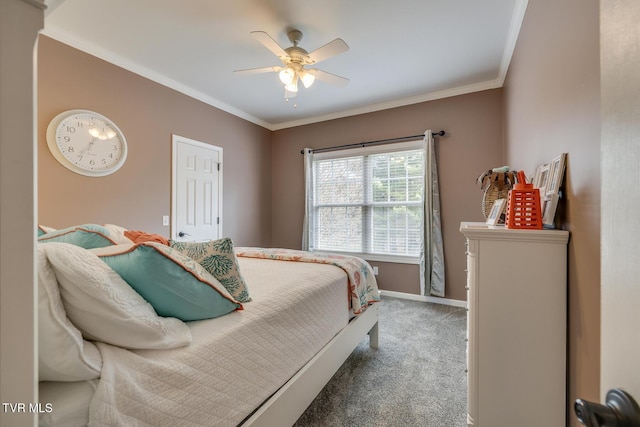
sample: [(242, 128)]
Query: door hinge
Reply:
[(219, 166), (218, 220)]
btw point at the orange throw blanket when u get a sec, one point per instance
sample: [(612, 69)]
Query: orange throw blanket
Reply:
[(141, 236)]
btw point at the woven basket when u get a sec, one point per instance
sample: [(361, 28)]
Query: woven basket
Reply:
[(496, 185)]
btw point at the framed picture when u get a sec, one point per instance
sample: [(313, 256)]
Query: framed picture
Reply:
[(541, 179), (549, 210), (556, 174), (496, 211)]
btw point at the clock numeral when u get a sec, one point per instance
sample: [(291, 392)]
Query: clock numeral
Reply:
[(104, 161), (70, 149), (66, 139), (115, 147), (71, 129), (92, 162)]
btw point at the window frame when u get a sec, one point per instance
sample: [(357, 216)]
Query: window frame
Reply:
[(367, 151)]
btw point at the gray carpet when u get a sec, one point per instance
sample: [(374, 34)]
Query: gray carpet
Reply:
[(415, 378)]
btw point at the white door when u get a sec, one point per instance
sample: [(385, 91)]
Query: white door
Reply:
[(620, 238), (196, 200)]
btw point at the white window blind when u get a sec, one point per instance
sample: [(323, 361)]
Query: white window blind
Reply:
[(368, 201)]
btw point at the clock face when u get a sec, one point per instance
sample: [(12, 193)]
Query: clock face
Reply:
[(86, 142)]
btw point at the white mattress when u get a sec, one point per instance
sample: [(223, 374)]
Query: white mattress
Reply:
[(235, 362)]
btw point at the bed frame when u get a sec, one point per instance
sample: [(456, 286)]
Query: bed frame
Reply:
[(291, 400)]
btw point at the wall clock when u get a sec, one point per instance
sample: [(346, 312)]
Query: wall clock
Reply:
[(86, 142)]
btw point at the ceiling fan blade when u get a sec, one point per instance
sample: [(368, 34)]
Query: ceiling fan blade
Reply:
[(329, 78), (330, 49), (259, 70), (268, 42)]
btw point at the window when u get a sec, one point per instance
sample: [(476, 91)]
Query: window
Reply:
[(368, 202)]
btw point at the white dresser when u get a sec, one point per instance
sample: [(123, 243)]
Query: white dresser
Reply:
[(516, 326)]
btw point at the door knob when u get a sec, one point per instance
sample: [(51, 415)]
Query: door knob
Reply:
[(620, 410), (182, 234)]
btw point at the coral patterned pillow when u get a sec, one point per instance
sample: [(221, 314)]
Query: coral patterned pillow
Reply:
[(219, 259)]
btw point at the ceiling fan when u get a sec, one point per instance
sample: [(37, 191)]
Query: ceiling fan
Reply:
[(294, 59)]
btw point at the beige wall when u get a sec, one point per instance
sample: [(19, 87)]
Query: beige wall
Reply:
[(473, 144), (552, 105), (139, 194)]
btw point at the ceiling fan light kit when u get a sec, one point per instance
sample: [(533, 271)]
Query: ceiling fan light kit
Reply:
[(292, 86), (286, 75), (294, 59)]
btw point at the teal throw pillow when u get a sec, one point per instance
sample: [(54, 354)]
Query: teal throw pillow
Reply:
[(87, 236), (174, 284)]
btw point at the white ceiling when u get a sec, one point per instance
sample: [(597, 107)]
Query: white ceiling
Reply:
[(401, 52)]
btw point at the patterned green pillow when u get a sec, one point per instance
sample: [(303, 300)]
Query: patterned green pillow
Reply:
[(219, 259)]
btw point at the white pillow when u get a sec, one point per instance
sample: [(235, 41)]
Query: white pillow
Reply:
[(105, 308), (62, 353)]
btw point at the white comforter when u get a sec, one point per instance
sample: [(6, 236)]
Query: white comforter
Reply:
[(236, 361)]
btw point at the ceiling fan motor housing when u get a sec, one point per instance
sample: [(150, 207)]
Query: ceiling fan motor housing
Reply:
[(297, 54)]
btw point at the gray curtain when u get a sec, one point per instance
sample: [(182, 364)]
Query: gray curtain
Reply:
[(308, 196), (432, 254)]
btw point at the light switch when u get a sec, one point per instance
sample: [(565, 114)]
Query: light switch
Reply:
[(165, 220)]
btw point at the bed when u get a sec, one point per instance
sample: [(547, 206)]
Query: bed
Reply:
[(259, 364)]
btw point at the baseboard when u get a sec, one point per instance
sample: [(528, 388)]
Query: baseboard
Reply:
[(423, 298)]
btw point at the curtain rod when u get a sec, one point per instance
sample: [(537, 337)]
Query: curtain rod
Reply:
[(380, 141)]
